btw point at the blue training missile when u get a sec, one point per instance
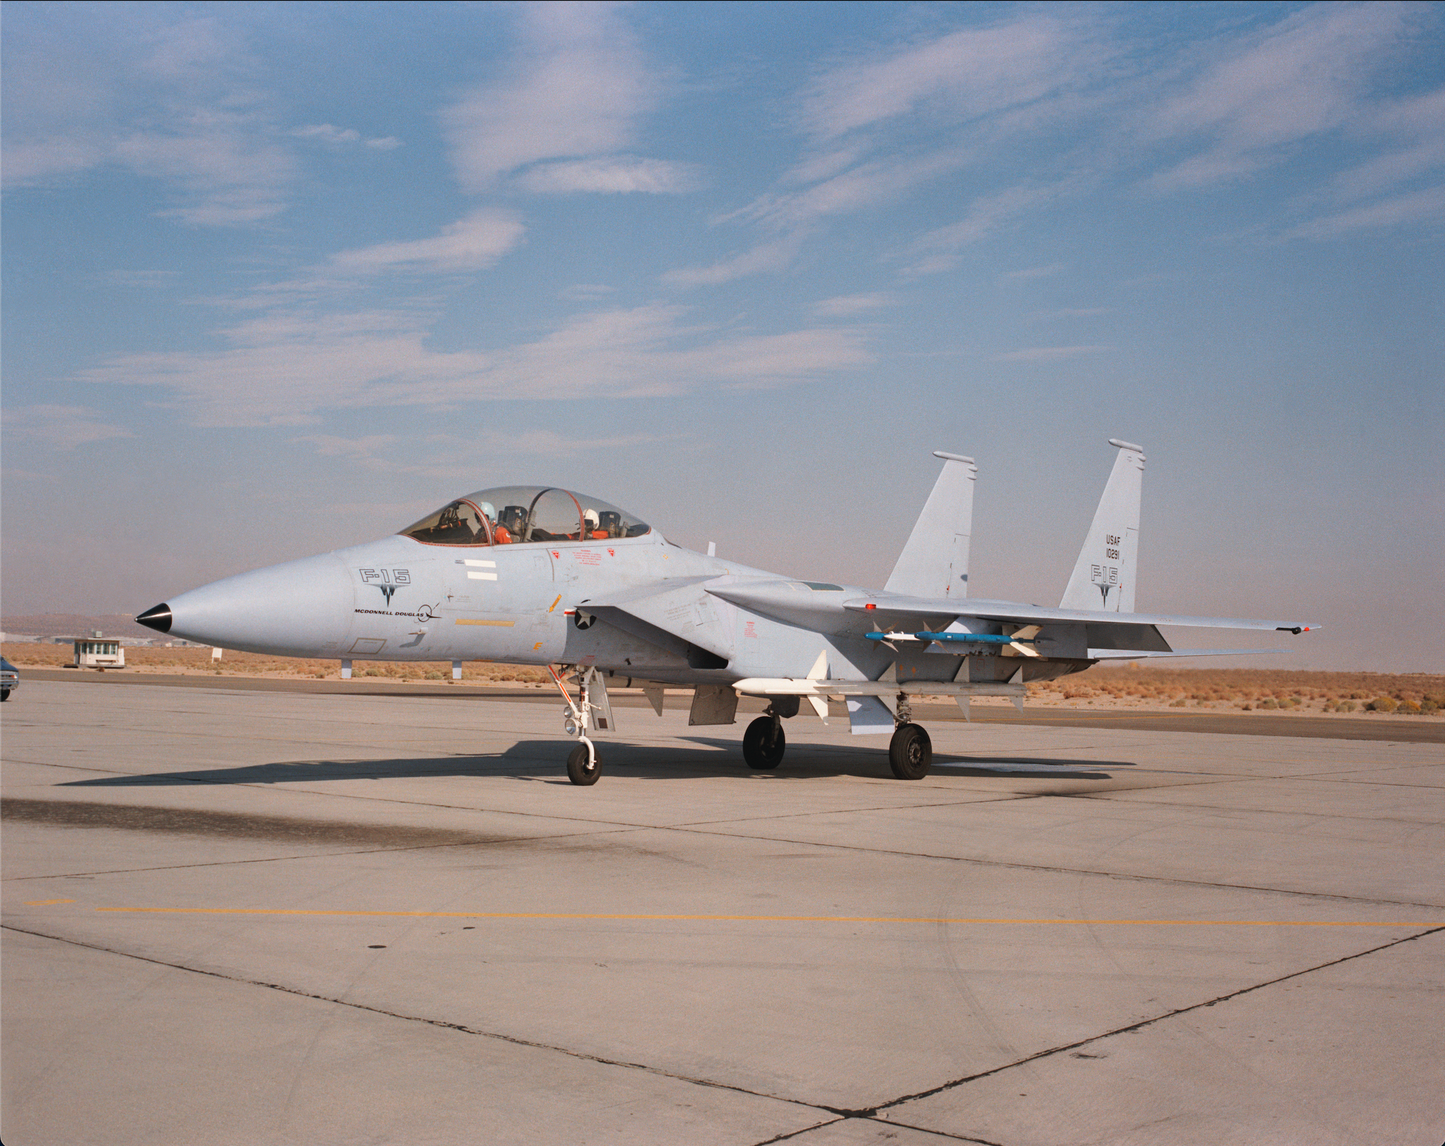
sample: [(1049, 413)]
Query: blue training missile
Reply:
[(975, 638), (967, 638)]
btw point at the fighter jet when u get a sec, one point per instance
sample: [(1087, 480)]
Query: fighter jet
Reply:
[(539, 575)]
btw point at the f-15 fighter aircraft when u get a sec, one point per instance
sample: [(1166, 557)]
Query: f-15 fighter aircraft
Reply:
[(546, 576)]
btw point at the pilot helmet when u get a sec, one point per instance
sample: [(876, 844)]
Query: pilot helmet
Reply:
[(590, 517), (489, 509)]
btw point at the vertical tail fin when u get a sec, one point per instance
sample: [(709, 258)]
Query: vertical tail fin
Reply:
[(1105, 574), (934, 561)]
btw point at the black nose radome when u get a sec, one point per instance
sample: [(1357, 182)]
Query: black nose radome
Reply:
[(158, 618)]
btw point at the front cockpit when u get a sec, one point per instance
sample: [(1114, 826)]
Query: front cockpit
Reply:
[(521, 515)]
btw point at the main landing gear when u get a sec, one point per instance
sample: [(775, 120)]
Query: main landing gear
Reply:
[(764, 743), (910, 752)]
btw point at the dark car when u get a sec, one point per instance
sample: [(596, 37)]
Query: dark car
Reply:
[(9, 678)]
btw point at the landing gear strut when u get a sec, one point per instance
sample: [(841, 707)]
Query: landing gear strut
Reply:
[(583, 765)]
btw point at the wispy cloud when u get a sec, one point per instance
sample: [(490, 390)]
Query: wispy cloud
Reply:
[(770, 256), (877, 130), (139, 279), (164, 96), (1406, 181), (963, 74), (62, 427), (575, 96), (1040, 272), (1048, 353), (342, 136), (1269, 90), (852, 305), (940, 249), (1043, 107), (586, 292), (445, 456), (867, 185), (163, 93), (284, 369), (1424, 206), (224, 165), (472, 243), (611, 175), (371, 448)]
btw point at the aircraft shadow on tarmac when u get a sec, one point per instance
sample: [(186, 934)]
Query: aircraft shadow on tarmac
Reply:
[(543, 760)]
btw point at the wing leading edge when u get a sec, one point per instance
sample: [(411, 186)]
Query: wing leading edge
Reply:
[(1013, 612)]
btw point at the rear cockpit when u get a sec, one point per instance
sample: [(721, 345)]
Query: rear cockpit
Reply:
[(519, 515)]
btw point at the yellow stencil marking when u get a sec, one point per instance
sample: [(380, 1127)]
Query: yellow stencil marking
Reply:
[(768, 918), (537, 646), (46, 902), (496, 624), (553, 605)]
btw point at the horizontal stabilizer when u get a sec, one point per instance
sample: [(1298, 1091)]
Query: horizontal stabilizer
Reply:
[(1146, 654)]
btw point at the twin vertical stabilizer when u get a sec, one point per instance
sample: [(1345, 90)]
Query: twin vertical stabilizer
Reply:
[(934, 562), (1106, 572)]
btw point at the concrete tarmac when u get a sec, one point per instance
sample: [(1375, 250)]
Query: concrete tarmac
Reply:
[(239, 916)]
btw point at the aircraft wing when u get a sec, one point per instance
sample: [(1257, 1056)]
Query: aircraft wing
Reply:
[(670, 616), (827, 609), (1017, 613)]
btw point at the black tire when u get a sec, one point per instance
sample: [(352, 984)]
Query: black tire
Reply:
[(4, 694), (910, 752), (764, 744), (578, 770)]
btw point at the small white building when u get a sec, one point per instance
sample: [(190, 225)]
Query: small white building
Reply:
[(99, 652)]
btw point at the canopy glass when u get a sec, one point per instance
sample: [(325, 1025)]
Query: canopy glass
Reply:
[(523, 514)]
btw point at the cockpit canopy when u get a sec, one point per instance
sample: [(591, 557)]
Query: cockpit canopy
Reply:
[(522, 514)]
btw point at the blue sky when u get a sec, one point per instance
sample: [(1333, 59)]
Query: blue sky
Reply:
[(283, 278)]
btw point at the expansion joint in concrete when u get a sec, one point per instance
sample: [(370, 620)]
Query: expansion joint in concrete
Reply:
[(1143, 1023), (441, 1024)]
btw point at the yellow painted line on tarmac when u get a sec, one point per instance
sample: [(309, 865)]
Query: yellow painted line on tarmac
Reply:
[(660, 918), (46, 902)]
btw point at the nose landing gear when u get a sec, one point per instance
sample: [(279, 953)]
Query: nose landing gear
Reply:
[(582, 764), (589, 711)]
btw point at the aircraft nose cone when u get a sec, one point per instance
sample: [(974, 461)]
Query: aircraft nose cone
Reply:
[(302, 608), (157, 618)]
